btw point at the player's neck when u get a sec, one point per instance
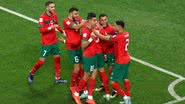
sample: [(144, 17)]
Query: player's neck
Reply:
[(48, 13), (70, 17), (120, 31), (88, 26)]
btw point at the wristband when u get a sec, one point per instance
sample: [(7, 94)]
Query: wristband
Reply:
[(90, 40)]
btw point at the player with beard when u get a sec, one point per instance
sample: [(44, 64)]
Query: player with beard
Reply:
[(48, 23), (72, 25)]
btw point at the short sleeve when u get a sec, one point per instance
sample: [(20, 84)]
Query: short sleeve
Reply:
[(116, 37), (41, 22)]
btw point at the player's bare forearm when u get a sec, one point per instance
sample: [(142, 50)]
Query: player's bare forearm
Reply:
[(85, 44), (60, 29), (101, 36)]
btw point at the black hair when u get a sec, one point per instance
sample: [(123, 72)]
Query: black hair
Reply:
[(102, 15), (120, 23), (73, 9), (90, 15), (48, 3)]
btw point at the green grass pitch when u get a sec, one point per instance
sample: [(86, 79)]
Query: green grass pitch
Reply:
[(157, 36)]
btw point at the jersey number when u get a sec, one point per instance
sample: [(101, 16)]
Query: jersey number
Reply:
[(126, 45)]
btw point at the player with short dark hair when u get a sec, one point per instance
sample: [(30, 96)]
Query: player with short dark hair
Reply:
[(48, 22), (122, 57), (72, 25), (108, 50), (89, 60)]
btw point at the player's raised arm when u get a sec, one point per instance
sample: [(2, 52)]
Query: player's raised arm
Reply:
[(43, 28), (107, 37), (58, 27), (78, 26), (86, 41), (74, 15)]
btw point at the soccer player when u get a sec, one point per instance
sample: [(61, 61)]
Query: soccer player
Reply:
[(107, 46), (72, 25), (89, 61), (48, 22), (122, 57)]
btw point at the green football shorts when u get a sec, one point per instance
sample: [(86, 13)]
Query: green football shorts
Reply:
[(75, 55), (119, 72), (110, 59), (49, 49), (90, 63), (100, 60)]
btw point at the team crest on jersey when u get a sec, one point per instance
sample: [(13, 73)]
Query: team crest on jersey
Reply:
[(68, 22)]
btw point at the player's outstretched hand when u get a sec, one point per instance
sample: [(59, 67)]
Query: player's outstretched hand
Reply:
[(61, 39)]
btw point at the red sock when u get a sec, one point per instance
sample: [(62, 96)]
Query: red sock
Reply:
[(127, 87), (91, 83), (110, 70), (117, 87), (105, 81), (37, 65), (73, 78), (57, 67), (81, 85)]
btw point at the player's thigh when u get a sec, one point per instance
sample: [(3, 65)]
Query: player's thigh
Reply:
[(75, 56), (110, 59), (100, 61), (45, 51), (119, 72), (125, 67), (55, 49), (89, 63)]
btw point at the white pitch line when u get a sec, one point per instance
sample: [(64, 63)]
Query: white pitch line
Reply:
[(171, 89), (133, 58), (175, 101), (18, 14), (157, 68)]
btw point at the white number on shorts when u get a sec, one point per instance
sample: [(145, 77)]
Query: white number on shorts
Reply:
[(92, 68), (44, 52), (76, 59)]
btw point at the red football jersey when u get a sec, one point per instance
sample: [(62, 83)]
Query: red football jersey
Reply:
[(108, 46), (99, 48), (49, 37), (121, 42), (90, 50), (73, 37)]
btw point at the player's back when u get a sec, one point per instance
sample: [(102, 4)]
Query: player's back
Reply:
[(121, 48)]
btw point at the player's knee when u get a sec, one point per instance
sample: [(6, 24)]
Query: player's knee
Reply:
[(101, 69), (86, 76), (126, 80)]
